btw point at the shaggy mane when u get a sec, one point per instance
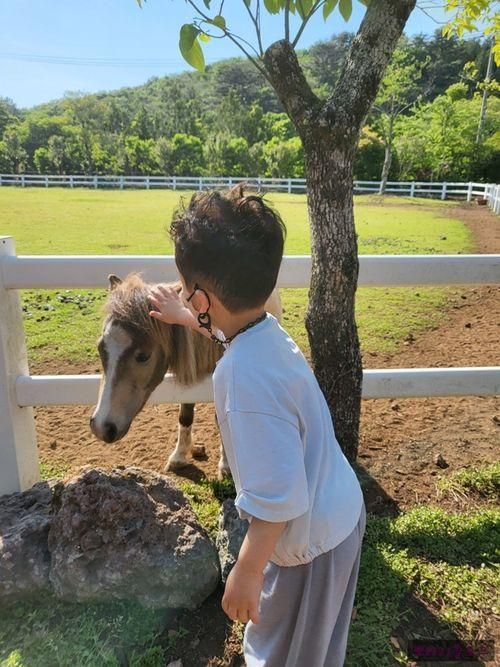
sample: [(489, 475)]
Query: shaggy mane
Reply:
[(190, 356)]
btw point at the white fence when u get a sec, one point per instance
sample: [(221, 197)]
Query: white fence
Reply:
[(19, 391), (467, 191)]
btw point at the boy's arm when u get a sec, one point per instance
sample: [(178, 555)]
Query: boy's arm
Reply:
[(244, 584)]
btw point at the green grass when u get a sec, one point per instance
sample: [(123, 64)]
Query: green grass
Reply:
[(483, 482), (63, 325), (53, 470), (51, 633), (444, 565)]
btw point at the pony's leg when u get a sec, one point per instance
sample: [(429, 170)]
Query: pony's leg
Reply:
[(178, 458), (223, 469)]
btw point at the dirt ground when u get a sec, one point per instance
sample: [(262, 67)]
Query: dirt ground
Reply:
[(400, 439)]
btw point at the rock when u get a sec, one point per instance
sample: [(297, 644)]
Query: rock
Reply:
[(24, 556), (175, 663), (441, 462), (129, 534), (232, 531)]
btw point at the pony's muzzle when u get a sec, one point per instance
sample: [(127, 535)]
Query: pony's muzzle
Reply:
[(108, 432)]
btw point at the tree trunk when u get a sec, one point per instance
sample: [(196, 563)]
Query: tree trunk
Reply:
[(387, 157), (385, 169), (329, 131), (330, 319)]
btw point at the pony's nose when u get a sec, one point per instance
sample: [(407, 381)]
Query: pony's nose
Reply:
[(109, 432)]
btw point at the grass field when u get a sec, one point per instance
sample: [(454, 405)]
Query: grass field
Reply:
[(64, 325), (425, 566)]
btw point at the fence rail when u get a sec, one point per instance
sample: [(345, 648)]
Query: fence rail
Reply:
[(19, 391), (441, 190)]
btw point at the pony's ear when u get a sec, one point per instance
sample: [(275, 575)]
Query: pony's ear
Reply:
[(114, 281)]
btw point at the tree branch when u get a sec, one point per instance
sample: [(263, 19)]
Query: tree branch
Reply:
[(257, 27), (314, 9), (287, 20), (234, 39), (287, 78), (365, 65)]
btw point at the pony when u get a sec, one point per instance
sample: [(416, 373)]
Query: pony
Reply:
[(136, 351)]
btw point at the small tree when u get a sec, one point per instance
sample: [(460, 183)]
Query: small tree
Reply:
[(398, 92), (329, 129)]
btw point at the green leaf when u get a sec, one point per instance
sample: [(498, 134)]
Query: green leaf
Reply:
[(207, 3), (304, 7), (190, 47), (272, 6), (328, 7), (203, 37), (345, 7), (247, 2), (219, 21)]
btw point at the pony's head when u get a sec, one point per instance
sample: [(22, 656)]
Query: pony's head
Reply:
[(136, 351)]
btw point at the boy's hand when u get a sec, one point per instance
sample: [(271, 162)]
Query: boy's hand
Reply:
[(242, 594), (169, 306)]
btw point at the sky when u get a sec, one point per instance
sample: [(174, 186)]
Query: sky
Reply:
[(116, 43)]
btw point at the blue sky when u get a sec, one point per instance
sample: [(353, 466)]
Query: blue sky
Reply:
[(119, 30)]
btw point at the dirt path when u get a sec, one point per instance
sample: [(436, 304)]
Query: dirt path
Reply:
[(400, 439)]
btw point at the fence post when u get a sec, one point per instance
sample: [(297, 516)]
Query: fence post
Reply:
[(121, 182), (469, 192), (95, 182), (46, 181), (22, 181), (147, 183), (289, 186), (443, 191), (200, 183), (412, 189), (19, 468)]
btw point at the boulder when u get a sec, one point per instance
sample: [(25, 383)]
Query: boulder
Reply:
[(24, 556), (232, 531), (129, 534)]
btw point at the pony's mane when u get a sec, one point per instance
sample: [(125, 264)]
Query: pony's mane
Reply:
[(189, 355)]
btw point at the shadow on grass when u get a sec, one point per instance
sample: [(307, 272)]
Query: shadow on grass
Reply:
[(388, 614)]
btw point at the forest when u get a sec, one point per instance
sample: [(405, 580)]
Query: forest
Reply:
[(426, 124)]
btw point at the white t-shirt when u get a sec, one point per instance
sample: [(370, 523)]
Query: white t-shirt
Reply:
[(280, 444)]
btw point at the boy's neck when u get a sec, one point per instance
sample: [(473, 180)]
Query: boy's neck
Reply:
[(231, 323)]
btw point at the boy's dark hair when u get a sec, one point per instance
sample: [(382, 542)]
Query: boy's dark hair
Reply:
[(230, 244)]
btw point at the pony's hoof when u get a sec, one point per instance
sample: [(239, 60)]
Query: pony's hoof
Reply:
[(175, 464), (199, 451)]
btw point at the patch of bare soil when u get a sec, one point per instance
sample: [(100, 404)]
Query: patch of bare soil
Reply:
[(401, 440)]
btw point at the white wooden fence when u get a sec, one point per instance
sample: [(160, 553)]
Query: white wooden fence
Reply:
[(440, 190), (19, 391)]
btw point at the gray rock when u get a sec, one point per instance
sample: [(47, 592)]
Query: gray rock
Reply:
[(232, 531), (24, 557), (130, 534)]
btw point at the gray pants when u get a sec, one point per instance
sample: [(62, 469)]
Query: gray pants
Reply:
[(305, 611)]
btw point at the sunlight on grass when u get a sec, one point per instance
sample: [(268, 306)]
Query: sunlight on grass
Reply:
[(64, 325)]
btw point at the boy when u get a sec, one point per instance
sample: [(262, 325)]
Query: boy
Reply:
[(295, 577)]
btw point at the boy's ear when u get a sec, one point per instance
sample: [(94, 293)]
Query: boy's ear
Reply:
[(114, 281), (200, 301)]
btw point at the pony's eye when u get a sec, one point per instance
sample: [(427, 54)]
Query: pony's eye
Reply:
[(142, 357)]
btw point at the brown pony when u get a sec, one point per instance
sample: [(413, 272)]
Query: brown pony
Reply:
[(136, 351)]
